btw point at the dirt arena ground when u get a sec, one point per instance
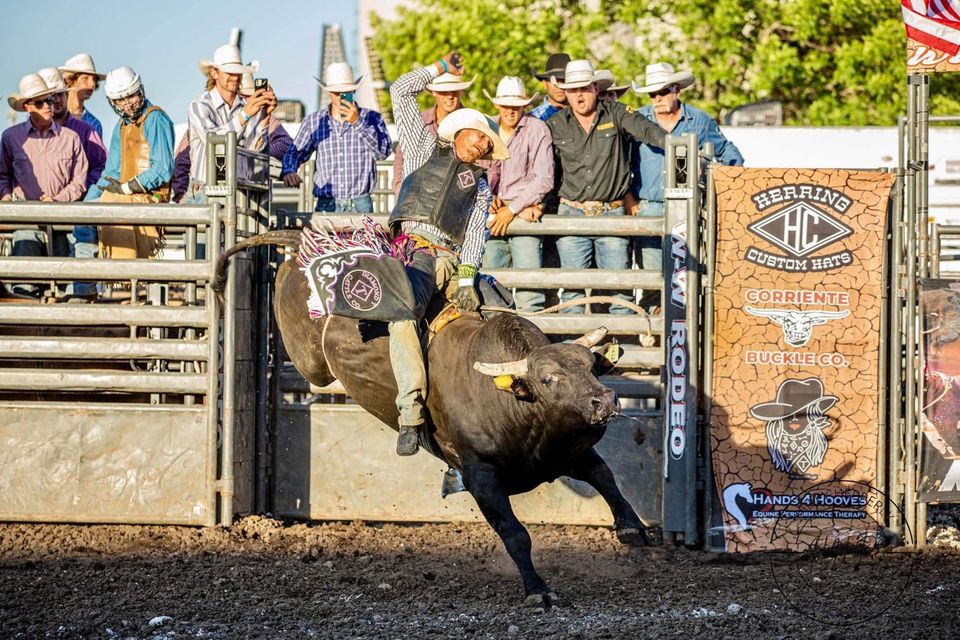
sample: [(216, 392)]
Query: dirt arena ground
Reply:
[(267, 579)]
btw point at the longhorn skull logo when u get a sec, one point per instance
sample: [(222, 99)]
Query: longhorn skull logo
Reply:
[(797, 325)]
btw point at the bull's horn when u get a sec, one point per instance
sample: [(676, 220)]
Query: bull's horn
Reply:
[(590, 340), (515, 368)]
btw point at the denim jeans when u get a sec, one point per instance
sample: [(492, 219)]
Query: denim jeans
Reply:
[(195, 194), (360, 204), (519, 252), (579, 252), (85, 247), (650, 248)]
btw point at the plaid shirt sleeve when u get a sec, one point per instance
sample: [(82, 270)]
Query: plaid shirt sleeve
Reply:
[(417, 140), (181, 168), (476, 236), (303, 145), (280, 140), (373, 132)]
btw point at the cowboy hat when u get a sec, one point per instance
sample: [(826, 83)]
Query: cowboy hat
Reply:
[(338, 78), (579, 73), (556, 64), (32, 86), (605, 82), (82, 63), (511, 93), (794, 396), (227, 59), (660, 75), (448, 82), (247, 85), (51, 75), (462, 119)]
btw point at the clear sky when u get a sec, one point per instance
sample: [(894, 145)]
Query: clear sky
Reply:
[(163, 41)]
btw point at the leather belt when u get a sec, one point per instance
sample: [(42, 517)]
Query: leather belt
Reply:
[(593, 208)]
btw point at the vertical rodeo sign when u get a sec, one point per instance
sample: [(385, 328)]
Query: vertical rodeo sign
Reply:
[(798, 302)]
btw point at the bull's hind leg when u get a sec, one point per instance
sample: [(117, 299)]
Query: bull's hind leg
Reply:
[(482, 482), (593, 470)]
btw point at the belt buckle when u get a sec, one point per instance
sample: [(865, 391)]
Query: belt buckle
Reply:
[(592, 209)]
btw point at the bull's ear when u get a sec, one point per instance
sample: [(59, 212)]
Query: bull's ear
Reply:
[(513, 384), (606, 358)]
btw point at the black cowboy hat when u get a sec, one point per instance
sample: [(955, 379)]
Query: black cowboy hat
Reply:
[(556, 65), (793, 396)]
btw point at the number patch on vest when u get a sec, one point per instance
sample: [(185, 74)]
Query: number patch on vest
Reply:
[(466, 179)]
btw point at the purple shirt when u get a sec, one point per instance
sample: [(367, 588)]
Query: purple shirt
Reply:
[(92, 147), (526, 176), (50, 163)]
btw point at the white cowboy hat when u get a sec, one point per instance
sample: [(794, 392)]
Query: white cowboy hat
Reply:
[(447, 82), (338, 78), (32, 86), (605, 82), (511, 93), (462, 119), (51, 75), (82, 63), (227, 59), (579, 73), (660, 75), (247, 85)]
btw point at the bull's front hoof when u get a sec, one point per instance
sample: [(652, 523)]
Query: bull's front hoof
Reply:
[(541, 601), (633, 537)]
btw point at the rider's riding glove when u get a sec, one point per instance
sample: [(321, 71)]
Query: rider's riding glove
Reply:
[(466, 297)]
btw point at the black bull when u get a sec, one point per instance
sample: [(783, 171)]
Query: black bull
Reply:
[(542, 423)]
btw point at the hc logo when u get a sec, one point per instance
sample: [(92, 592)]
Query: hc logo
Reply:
[(800, 229)]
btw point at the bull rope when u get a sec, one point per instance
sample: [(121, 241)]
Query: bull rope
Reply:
[(645, 340)]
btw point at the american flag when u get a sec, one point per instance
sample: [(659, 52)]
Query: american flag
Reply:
[(935, 23)]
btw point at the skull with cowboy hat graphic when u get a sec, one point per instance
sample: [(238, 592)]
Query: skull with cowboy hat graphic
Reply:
[(796, 421)]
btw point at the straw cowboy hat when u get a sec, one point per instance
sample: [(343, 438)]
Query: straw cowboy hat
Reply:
[(227, 59), (338, 78), (511, 93), (794, 396), (32, 86), (447, 82), (579, 73), (660, 75), (605, 82), (53, 78), (555, 67), (247, 87), (82, 63), (462, 119)]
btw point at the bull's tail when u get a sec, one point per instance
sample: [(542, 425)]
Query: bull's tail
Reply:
[(282, 237)]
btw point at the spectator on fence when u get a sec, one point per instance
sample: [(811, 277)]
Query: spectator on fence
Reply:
[(607, 88), (447, 91), (91, 141), (555, 99), (82, 78), (139, 166), (591, 141), (39, 160), (348, 139), (663, 85), (519, 185), (221, 109), (278, 139)]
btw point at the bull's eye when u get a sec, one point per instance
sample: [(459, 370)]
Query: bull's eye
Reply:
[(547, 380)]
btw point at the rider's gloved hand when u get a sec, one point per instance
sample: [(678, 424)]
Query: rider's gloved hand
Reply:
[(466, 297)]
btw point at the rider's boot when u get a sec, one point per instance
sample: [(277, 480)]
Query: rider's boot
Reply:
[(407, 443)]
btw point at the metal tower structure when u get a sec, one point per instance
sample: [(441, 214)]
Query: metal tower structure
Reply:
[(332, 49)]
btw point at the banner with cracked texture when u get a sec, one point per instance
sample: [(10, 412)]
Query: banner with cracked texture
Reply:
[(798, 301)]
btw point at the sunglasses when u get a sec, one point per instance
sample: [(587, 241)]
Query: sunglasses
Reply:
[(39, 102), (663, 92)]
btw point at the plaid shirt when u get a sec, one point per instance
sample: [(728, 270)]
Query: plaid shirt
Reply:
[(347, 153), (419, 144), (544, 111)]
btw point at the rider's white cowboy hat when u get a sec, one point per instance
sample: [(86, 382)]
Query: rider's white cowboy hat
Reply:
[(447, 82), (227, 59), (82, 63), (338, 78), (462, 119), (32, 86), (511, 93), (579, 73), (660, 75)]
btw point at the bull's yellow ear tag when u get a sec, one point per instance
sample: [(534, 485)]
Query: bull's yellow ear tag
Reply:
[(504, 382), (612, 353)]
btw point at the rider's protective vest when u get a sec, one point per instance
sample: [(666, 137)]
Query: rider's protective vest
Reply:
[(442, 192)]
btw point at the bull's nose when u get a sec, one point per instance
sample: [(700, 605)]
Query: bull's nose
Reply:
[(604, 405)]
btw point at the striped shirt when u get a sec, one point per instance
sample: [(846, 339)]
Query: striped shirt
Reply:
[(35, 163), (92, 145), (347, 153), (208, 113), (279, 140), (419, 145), (526, 176), (429, 118)]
